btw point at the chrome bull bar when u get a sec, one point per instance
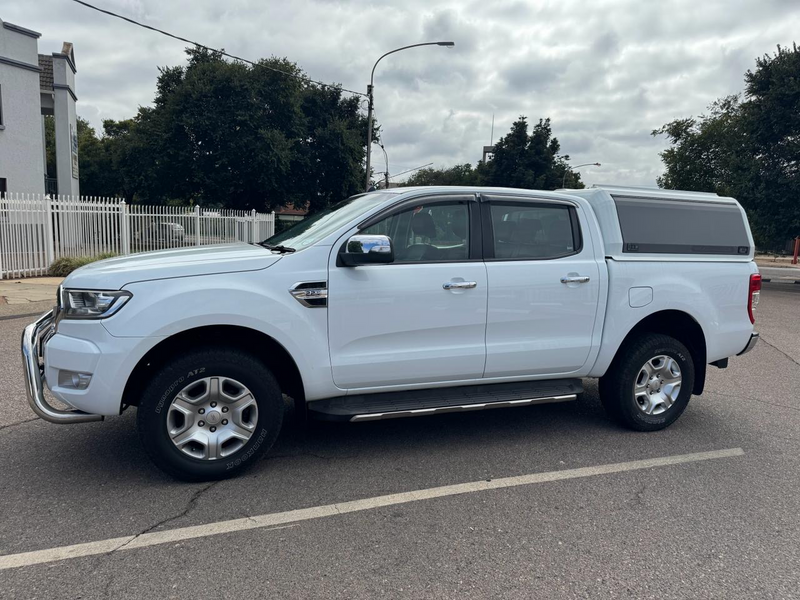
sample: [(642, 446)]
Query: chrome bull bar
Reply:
[(33, 339)]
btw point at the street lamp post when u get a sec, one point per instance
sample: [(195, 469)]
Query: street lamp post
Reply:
[(386, 172), (564, 179), (370, 105)]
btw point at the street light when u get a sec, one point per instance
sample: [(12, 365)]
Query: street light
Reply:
[(564, 179), (369, 94)]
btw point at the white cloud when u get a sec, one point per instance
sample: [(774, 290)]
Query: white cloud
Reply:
[(606, 72)]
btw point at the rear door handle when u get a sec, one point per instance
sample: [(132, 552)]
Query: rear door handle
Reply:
[(575, 279), (459, 285)]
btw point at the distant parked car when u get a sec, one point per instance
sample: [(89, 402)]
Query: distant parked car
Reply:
[(170, 233)]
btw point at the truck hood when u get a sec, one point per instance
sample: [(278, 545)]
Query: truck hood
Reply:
[(115, 273)]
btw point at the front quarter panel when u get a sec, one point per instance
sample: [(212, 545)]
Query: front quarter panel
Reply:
[(258, 300)]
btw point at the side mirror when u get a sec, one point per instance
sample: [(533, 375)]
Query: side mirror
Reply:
[(367, 250)]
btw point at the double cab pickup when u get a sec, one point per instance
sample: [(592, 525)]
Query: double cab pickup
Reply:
[(405, 302)]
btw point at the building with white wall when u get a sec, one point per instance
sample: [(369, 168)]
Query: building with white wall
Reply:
[(33, 85)]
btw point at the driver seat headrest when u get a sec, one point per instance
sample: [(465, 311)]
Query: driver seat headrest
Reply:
[(422, 224)]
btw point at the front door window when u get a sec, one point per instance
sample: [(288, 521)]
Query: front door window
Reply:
[(427, 232)]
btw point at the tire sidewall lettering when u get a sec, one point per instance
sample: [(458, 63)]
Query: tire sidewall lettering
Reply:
[(670, 352), (180, 380), (168, 393), (250, 451)]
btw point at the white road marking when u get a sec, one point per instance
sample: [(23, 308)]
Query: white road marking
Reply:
[(293, 517)]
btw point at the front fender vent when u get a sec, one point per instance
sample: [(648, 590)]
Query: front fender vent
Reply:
[(313, 294)]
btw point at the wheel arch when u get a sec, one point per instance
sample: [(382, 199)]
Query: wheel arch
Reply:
[(681, 326), (266, 348)]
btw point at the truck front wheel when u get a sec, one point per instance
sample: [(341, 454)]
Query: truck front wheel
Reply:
[(209, 414), (649, 383)]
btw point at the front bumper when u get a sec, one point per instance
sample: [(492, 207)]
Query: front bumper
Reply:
[(751, 344), (33, 339)]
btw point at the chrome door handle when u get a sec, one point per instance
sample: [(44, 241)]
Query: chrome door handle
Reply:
[(578, 279), (459, 285)]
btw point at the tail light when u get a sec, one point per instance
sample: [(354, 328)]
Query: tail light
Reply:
[(755, 293)]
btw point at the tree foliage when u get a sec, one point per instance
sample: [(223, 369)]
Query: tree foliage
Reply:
[(521, 160), (457, 175), (98, 175), (748, 147), (228, 134)]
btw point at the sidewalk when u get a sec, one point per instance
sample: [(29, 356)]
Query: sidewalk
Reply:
[(776, 262), (26, 291)]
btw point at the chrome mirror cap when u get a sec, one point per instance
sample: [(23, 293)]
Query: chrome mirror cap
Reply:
[(367, 249)]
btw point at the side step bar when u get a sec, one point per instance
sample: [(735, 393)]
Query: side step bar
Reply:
[(415, 403)]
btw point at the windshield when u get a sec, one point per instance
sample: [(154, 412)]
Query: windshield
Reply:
[(312, 229)]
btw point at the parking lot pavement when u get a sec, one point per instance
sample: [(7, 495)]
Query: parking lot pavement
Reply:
[(723, 527)]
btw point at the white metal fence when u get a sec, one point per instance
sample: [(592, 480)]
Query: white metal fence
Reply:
[(36, 230)]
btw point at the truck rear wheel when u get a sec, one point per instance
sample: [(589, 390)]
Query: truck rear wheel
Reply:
[(210, 414), (650, 382)]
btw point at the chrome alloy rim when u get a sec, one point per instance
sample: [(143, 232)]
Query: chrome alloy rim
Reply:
[(657, 385), (212, 418)]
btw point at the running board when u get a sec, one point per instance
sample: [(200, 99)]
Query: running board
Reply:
[(416, 403)]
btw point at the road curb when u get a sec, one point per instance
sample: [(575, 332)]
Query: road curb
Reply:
[(779, 280)]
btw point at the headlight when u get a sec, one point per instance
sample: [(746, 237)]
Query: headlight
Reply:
[(92, 304)]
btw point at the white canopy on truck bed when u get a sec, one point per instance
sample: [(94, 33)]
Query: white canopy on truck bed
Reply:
[(649, 223)]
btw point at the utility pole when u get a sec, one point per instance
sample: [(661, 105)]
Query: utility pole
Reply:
[(369, 132)]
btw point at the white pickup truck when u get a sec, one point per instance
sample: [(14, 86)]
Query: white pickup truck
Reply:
[(407, 302)]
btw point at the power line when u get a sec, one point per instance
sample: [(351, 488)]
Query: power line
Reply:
[(222, 52), (409, 170)]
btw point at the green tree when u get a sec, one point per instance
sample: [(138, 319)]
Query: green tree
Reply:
[(50, 145), (224, 133), (520, 160), (748, 147), (457, 175), (124, 155), (98, 175), (529, 161)]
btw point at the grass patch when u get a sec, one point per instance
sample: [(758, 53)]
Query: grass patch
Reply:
[(67, 264)]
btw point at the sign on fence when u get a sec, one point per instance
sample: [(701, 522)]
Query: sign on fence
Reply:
[(35, 230)]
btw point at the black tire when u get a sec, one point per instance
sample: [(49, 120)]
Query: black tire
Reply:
[(195, 366), (617, 385)]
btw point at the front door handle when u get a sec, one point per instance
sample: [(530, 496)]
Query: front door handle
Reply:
[(575, 279), (459, 285)]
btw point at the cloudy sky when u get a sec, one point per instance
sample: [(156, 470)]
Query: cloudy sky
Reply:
[(606, 72)]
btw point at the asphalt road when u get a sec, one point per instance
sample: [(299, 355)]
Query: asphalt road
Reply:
[(721, 528)]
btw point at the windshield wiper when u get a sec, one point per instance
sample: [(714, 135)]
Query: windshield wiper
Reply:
[(278, 248)]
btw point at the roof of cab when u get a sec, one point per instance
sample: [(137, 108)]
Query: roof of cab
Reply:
[(595, 190), (477, 189)]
